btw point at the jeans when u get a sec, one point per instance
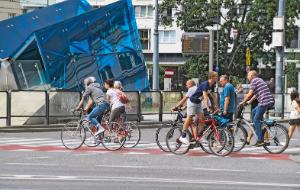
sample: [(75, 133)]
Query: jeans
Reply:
[(257, 116), (98, 110)]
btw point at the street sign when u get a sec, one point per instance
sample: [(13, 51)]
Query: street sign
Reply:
[(194, 43), (248, 62), (169, 72)]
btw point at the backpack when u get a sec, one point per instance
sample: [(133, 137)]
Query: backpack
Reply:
[(122, 97)]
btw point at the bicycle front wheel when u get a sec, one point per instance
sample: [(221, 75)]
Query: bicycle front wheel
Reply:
[(160, 135), (221, 142), (276, 139), (72, 135), (240, 136), (133, 134), (114, 139), (173, 143)]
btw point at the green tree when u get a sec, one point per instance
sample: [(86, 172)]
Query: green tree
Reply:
[(251, 20)]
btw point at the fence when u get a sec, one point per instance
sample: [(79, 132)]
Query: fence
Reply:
[(50, 107)]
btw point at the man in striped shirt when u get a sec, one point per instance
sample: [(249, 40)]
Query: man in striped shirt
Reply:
[(261, 91)]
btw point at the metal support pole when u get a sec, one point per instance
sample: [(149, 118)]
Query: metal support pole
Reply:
[(279, 75), (47, 107), (155, 85), (161, 101), (211, 50), (8, 109)]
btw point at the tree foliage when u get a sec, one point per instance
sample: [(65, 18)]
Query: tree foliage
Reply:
[(252, 20)]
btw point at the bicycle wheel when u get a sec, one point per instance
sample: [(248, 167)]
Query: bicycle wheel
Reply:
[(173, 143), (114, 139), (72, 135), (160, 135), (91, 140), (133, 134), (276, 139), (240, 136), (221, 142)]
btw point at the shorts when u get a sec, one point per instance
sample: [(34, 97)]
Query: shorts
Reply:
[(194, 110), (294, 121)]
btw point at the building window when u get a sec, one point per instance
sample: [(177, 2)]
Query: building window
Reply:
[(167, 36), (106, 73), (11, 15), (143, 11), (294, 43), (145, 38)]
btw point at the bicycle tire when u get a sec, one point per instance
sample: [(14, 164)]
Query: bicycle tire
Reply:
[(72, 135), (114, 140), (160, 135), (240, 136), (90, 139), (173, 143), (221, 142), (133, 134), (272, 141)]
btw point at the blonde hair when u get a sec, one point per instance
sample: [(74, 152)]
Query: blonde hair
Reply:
[(118, 85), (212, 74)]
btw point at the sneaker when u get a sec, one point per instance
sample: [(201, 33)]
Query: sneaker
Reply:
[(259, 143), (100, 130), (184, 140)]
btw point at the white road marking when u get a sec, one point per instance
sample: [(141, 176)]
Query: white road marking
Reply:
[(136, 153), (221, 170), (141, 179), (114, 166), (31, 164)]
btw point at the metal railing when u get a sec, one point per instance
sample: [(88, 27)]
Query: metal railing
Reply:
[(48, 107)]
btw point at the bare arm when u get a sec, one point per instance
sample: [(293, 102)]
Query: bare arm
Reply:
[(180, 103), (248, 96), (226, 104)]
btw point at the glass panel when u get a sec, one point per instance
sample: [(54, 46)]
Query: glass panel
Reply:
[(150, 11), (2, 122), (132, 106), (21, 121), (28, 103), (30, 74), (170, 99), (150, 102), (62, 103), (3, 103)]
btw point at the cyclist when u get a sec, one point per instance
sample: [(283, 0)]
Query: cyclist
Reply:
[(192, 109), (227, 98), (265, 99), (117, 107), (93, 90), (204, 91)]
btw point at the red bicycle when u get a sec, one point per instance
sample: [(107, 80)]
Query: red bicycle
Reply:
[(220, 140)]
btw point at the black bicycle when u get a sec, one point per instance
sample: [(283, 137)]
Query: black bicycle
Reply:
[(161, 132)]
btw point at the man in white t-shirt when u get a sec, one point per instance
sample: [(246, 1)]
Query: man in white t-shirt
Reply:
[(192, 108)]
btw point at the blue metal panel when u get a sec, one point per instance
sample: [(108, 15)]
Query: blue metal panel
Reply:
[(16, 31), (103, 43)]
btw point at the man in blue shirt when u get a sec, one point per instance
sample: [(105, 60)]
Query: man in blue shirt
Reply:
[(227, 97)]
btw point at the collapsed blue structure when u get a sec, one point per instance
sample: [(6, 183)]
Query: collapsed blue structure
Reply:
[(60, 45)]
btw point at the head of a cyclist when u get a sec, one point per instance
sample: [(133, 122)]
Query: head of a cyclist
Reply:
[(224, 79), (118, 85), (251, 75), (190, 83), (213, 77), (109, 83), (89, 80)]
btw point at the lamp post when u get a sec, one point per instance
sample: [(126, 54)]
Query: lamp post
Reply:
[(155, 85)]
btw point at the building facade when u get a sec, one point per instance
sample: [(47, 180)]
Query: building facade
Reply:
[(9, 9)]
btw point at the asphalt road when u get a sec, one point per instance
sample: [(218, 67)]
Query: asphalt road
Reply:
[(145, 167)]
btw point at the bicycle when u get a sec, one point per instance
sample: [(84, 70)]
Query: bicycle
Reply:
[(275, 135), (74, 135), (158, 135), (220, 140), (130, 130)]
